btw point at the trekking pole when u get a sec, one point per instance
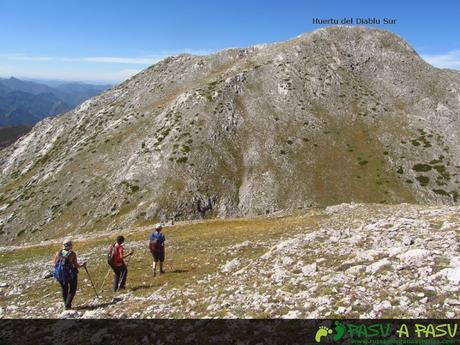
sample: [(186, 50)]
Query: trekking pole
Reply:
[(124, 272), (91, 281), (103, 282)]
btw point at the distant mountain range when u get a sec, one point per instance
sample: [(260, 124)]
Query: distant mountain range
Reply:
[(27, 102)]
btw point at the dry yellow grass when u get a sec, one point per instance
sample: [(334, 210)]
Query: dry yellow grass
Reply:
[(193, 250)]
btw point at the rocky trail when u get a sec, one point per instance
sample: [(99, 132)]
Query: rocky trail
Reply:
[(349, 260)]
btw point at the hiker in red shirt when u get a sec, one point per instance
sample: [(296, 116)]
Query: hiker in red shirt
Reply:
[(119, 266)]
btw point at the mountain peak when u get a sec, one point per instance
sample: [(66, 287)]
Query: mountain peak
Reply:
[(338, 115)]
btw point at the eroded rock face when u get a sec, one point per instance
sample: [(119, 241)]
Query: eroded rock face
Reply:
[(337, 115)]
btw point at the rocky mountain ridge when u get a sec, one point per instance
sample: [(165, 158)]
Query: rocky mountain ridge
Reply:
[(337, 115)]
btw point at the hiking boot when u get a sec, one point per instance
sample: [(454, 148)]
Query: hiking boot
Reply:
[(162, 271)]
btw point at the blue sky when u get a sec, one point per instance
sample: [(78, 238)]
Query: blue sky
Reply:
[(108, 41)]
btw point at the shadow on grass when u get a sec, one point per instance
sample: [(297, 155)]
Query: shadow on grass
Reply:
[(98, 305), (179, 271), (157, 284), (142, 287)]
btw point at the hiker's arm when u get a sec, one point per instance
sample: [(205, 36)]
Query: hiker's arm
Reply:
[(74, 262), (129, 254), (55, 258)]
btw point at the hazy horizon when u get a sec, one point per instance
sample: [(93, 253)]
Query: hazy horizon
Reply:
[(115, 40)]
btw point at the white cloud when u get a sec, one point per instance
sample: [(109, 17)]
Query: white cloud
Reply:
[(102, 59), (107, 69), (143, 60), (448, 60), (112, 76), (123, 60)]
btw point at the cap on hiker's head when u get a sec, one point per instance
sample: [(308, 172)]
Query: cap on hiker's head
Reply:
[(67, 242), (158, 227), (120, 239)]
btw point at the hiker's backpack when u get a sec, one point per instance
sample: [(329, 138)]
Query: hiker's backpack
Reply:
[(155, 244), (152, 244), (112, 252), (63, 270)]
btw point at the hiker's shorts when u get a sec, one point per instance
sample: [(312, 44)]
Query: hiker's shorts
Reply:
[(158, 256)]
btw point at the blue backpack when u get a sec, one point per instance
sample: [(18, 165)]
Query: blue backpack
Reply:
[(63, 271)]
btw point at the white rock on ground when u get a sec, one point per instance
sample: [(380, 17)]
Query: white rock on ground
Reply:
[(69, 314), (415, 256), (376, 266), (94, 314), (231, 265), (309, 269), (292, 314)]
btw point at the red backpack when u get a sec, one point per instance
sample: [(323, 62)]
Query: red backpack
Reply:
[(152, 245), (111, 255)]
